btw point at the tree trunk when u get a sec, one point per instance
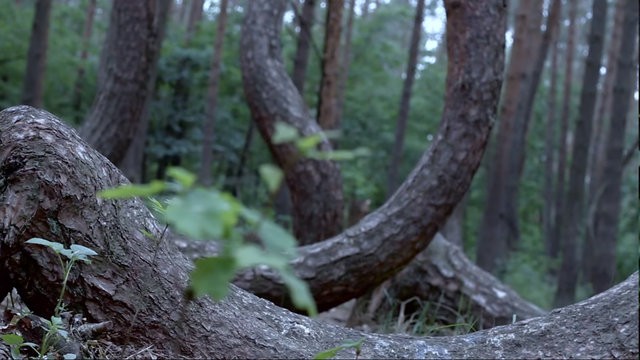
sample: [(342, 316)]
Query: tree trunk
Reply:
[(345, 61), (405, 224), (608, 204), (549, 211), (84, 53), (135, 285), (555, 241), (328, 94), (574, 203), (499, 227), (315, 185), (212, 97), (403, 111), (128, 60), (597, 150), (301, 60), (37, 56), (133, 164)]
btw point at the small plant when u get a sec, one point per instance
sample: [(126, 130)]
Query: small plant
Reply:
[(347, 344), (53, 328)]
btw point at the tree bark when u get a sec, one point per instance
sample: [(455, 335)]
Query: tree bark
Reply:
[(37, 55), (128, 59), (405, 224), (315, 185), (212, 98), (499, 227), (345, 61), (329, 81), (608, 204), (49, 180), (405, 99), (574, 203)]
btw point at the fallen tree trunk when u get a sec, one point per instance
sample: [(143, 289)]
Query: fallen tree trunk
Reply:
[(49, 178)]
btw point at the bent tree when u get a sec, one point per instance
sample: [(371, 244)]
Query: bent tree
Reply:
[(49, 178)]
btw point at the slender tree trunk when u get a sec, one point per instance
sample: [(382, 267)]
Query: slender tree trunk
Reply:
[(403, 112), (37, 56), (597, 150), (244, 154), (84, 53), (564, 126), (346, 60), (549, 211), (574, 203), (499, 227), (301, 60), (365, 8), (328, 94), (212, 97), (608, 204)]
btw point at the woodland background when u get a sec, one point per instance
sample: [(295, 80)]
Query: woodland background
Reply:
[(514, 218)]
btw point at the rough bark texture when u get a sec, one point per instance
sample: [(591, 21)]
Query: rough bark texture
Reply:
[(369, 252), (574, 203), (499, 227), (315, 185), (405, 99), (133, 164), (608, 204), (212, 98), (37, 55), (328, 94), (129, 56), (49, 179)]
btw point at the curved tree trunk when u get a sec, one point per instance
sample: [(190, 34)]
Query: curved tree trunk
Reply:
[(382, 243), (315, 185), (135, 286)]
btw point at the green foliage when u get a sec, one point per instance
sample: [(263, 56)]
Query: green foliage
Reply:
[(347, 344), (204, 214)]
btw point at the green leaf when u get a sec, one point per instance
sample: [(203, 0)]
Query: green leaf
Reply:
[(299, 291), (347, 344), (275, 238), (203, 214), (157, 206), (328, 354), (82, 250), (12, 339), (184, 177), (130, 191), (272, 176), (57, 247), (251, 255), (284, 133), (212, 275), (308, 143)]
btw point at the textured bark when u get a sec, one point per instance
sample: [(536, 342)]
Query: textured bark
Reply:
[(453, 228), (315, 185), (128, 59), (391, 236), (84, 53), (405, 99), (301, 59), (49, 180), (133, 164), (597, 150), (608, 204), (37, 55), (499, 227), (442, 275), (212, 98), (329, 81), (574, 203)]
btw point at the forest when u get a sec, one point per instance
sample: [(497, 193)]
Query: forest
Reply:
[(319, 179)]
